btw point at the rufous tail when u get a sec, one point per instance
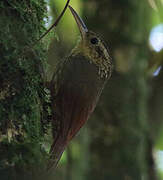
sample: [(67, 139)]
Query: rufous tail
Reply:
[(56, 152)]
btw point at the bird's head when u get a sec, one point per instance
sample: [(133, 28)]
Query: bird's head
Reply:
[(93, 47)]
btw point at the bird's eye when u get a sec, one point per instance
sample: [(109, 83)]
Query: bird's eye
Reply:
[(94, 40)]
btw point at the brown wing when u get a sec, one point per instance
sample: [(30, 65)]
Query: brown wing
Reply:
[(75, 87), (78, 89)]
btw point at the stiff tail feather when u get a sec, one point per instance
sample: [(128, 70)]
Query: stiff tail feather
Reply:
[(56, 152)]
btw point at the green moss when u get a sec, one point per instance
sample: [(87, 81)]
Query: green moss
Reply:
[(22, 94)]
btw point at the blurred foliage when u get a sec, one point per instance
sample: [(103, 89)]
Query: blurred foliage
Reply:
[(127, 123)]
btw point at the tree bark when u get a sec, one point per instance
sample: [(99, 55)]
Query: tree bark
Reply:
[(22, 118)]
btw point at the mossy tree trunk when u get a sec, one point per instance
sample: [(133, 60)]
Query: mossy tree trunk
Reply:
[(22, 118)]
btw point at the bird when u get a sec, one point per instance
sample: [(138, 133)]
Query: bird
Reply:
[(76, 87)]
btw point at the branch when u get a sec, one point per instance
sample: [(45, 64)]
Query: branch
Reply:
[(56, 22)]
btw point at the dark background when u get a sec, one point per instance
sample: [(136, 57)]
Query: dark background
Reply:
[(123, 138)]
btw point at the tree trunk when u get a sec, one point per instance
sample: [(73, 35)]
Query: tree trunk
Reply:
[(22, 96)]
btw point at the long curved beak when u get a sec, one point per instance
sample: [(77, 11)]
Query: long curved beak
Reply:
[(81, 25)]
